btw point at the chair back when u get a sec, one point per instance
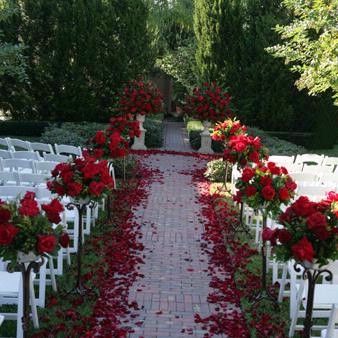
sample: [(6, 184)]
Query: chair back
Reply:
[(69, 150), (42, 147), (27, 155), (15, 143), (16, 164), (56, 158)]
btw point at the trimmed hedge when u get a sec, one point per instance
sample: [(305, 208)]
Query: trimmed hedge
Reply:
[(23, 128)]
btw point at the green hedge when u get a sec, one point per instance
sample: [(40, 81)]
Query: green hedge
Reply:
[(154, 134), (23, 128)]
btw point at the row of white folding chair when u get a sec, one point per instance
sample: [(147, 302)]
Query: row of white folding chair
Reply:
[(11, 293), (19, 178), (12, 144), (315, 193), (28, 166), (312, 179)]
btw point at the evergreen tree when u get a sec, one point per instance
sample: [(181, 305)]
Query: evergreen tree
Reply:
[(79, 52)]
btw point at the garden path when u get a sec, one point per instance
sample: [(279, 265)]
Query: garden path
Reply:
[(176, 282), (175, 137)]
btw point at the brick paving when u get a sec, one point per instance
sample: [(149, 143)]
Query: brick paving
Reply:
[(175, 283)]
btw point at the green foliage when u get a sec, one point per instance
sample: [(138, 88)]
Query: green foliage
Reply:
[(215, 171), (127, 163), (76, 134), (12, 61), (22, 128), (78, 55), (154, 134), (310, 44)]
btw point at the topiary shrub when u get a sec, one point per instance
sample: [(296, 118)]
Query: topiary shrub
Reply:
[(154, 134)]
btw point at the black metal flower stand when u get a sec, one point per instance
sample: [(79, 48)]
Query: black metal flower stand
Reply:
[(311, 274), (26, 268), (81, 206), (264, 293)]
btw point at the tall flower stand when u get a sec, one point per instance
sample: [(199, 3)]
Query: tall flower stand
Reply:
[(26, 263), (264, 293), (80, 205), (206, 139), (311, 274), (139, 143)]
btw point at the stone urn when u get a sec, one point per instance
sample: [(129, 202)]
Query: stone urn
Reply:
[(206, 139), (139, 143)]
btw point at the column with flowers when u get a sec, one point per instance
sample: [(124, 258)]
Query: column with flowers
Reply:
[(26, 236), (140, 98), (209, 104), (310, 238), (265, 188), (83, 180)]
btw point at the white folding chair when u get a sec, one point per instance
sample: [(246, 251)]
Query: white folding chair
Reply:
[(4, 144), (1, 319), (309, 158), (56, 158), (44, 167), (282, 160), (330, 161), (328, 180), (42, 147), (318, 169), (330, 331), (305, 179), (314, 193), (6, 154), (10, 193), (15, 143), (27, 155), (9, 178), (33, 179), (19, 165), (69, 150)]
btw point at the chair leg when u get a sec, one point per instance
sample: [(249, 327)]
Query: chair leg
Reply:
[(282, 284), (68, 256), (35, 317), (52, 273)]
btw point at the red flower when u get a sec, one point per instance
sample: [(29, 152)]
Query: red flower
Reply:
[(316, 220), (46, 244), (290, 184), (254, 157), (284, 236), (283, 194), (53, 210), (74, 189), (29, 207), (5, 215), (100, 137), (303, 250), (7, 233), (250, 190), (247, 174), (64, 240), (268, 193), (265, 180), (96, 188), (268, 234), (303, 207)]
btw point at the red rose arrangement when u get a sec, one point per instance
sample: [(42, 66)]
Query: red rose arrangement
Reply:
[(309, 233), (208, 103), (140, 97), (226, 129), (24, 227), (243, 149), (265, 187), (115, 140), (81, 178)]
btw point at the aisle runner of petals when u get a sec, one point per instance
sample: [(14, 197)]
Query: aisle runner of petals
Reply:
[(123, 256), (229, 256)]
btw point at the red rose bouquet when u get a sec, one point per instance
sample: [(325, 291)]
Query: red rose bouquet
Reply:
[(140, 97), (226, 129), (81, 178), (126, 125), (208, 103), (310, 231), (265, 187), (243, 149), (25, 228)]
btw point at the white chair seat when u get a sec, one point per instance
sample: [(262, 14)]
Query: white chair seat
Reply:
[(9, 283), (335, 334), (1, 319)]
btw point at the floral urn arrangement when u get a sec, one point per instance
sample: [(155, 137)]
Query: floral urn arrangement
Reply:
[(140, 98), (209, 104)]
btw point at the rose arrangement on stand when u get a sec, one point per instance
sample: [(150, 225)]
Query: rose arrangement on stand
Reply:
[(140, 98), (309, 237), (265, 188), (26, 236), (208, 103), (84, 180), (222, 133)]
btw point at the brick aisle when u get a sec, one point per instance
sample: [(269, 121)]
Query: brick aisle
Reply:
[(175, 283)]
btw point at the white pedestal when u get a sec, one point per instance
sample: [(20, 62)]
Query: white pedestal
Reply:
[(206, 139), (139, 143)]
